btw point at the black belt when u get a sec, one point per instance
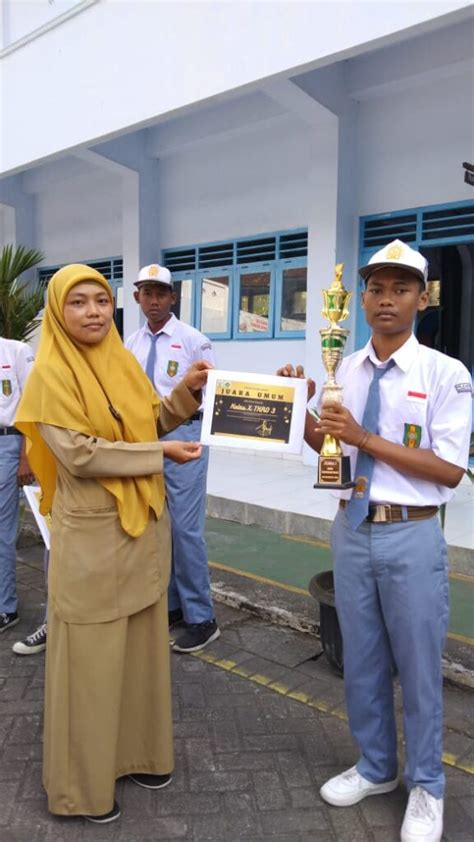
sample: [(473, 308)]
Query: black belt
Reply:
[(385, 513), (196, 417), (9, 431)]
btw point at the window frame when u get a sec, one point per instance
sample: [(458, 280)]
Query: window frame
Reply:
[(276, 265), (287, 263), (188, 275), (247, 268), (209, 273)]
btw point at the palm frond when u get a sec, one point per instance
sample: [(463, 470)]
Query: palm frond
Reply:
[(20, 301)]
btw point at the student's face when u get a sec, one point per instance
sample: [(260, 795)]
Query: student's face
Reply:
[(156, 301), (88, 313), (391, 300)]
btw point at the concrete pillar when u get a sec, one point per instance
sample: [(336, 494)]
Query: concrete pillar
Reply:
[(19, 216), (139, 173), (322, 237)]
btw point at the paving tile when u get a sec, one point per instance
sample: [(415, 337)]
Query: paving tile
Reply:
[(249, 759)]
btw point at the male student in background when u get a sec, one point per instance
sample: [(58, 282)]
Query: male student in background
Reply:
[(165, 347)]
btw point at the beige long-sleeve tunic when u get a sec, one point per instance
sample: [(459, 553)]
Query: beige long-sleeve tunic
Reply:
[(107, 694), (97, 571)]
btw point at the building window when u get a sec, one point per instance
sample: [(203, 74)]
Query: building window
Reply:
[(252, 288), (293, 299)]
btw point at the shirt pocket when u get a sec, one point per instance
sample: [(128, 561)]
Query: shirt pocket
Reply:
[(406, 423), (9, 388), (83, 573)]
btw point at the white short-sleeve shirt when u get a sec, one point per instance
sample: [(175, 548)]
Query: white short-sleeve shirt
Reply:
[(425, 401), (16, 360), (177, 347)]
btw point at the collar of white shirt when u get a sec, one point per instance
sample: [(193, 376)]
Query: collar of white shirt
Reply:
[(168, 328), (403, 356)]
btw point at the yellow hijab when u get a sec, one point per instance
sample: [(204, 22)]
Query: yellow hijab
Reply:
[(73, 386)]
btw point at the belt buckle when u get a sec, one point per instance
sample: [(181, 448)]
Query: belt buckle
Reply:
[(382, 513)]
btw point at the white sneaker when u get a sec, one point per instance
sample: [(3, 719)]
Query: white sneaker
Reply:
[(350, 787), (423, 820)]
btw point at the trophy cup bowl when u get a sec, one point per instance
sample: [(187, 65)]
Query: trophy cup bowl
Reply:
[(334, 470)]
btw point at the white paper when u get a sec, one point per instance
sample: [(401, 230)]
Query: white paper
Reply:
[(33, 494)]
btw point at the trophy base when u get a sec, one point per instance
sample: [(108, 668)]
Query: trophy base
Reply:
[(334, 472)]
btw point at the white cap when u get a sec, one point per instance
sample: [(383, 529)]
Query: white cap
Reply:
[(154, 274), (398, 254)]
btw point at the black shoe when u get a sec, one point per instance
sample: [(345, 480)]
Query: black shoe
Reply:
[(7, 621), (34, 643), (107, 817), (175, 617), (197, 636), (151, 781)]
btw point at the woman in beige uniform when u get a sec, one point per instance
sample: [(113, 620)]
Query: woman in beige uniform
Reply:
[(92, 421)]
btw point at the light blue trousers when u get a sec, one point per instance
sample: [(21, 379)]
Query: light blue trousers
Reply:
[(392, 600), (10, 449), (190, 587)]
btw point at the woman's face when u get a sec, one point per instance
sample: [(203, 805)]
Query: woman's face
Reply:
[(88, 313)]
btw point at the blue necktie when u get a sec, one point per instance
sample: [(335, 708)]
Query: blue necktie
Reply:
[(150, 363), (358, 506)]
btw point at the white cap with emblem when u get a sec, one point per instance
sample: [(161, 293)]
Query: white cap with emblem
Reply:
[(154, 274), (397, 254)]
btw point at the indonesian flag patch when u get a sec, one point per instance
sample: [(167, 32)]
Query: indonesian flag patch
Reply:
[(417, 397)]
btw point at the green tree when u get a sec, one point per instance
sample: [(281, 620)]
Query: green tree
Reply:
[(20, 301)]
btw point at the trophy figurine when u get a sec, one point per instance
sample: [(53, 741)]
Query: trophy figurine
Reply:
[(334, 470)]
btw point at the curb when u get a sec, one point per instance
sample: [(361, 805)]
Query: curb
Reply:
[(301, 613)]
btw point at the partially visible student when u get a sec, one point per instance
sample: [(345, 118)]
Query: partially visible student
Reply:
[(16, 360)]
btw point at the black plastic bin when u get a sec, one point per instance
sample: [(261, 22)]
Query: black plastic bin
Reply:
[(321, 587)]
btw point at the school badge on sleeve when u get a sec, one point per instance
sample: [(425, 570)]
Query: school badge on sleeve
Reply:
[(412, 435), (6, 388), (172, 369)]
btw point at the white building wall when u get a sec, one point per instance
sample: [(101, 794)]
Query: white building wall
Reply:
[(411, 146), (121, 64), (254, 184), (80, 218)]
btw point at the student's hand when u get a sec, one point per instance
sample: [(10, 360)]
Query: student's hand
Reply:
[(288, 371), (24, 473), (337, 421), (196, 375), (181, 451)]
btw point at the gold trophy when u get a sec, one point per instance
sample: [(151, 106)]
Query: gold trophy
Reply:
[(334, 469)]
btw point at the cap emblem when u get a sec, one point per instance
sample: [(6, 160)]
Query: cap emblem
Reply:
[(153, 270), (394, 253)]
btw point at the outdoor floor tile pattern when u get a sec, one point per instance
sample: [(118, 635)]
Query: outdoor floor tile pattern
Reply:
[(252, 748)]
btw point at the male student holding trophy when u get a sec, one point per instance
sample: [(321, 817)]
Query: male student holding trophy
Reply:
[(405, 423)]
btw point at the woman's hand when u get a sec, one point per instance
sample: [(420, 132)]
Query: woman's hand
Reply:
[(288, 371), (181, 451), (337, 421), (24, 474), (196, 375)]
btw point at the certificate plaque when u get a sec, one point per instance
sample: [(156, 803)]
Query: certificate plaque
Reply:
[(257, 411)]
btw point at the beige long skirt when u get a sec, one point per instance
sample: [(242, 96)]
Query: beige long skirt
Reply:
[(107, 708)]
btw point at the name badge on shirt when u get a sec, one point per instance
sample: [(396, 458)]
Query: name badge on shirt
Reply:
[(412, 435), (7, 388), (172, 369)]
